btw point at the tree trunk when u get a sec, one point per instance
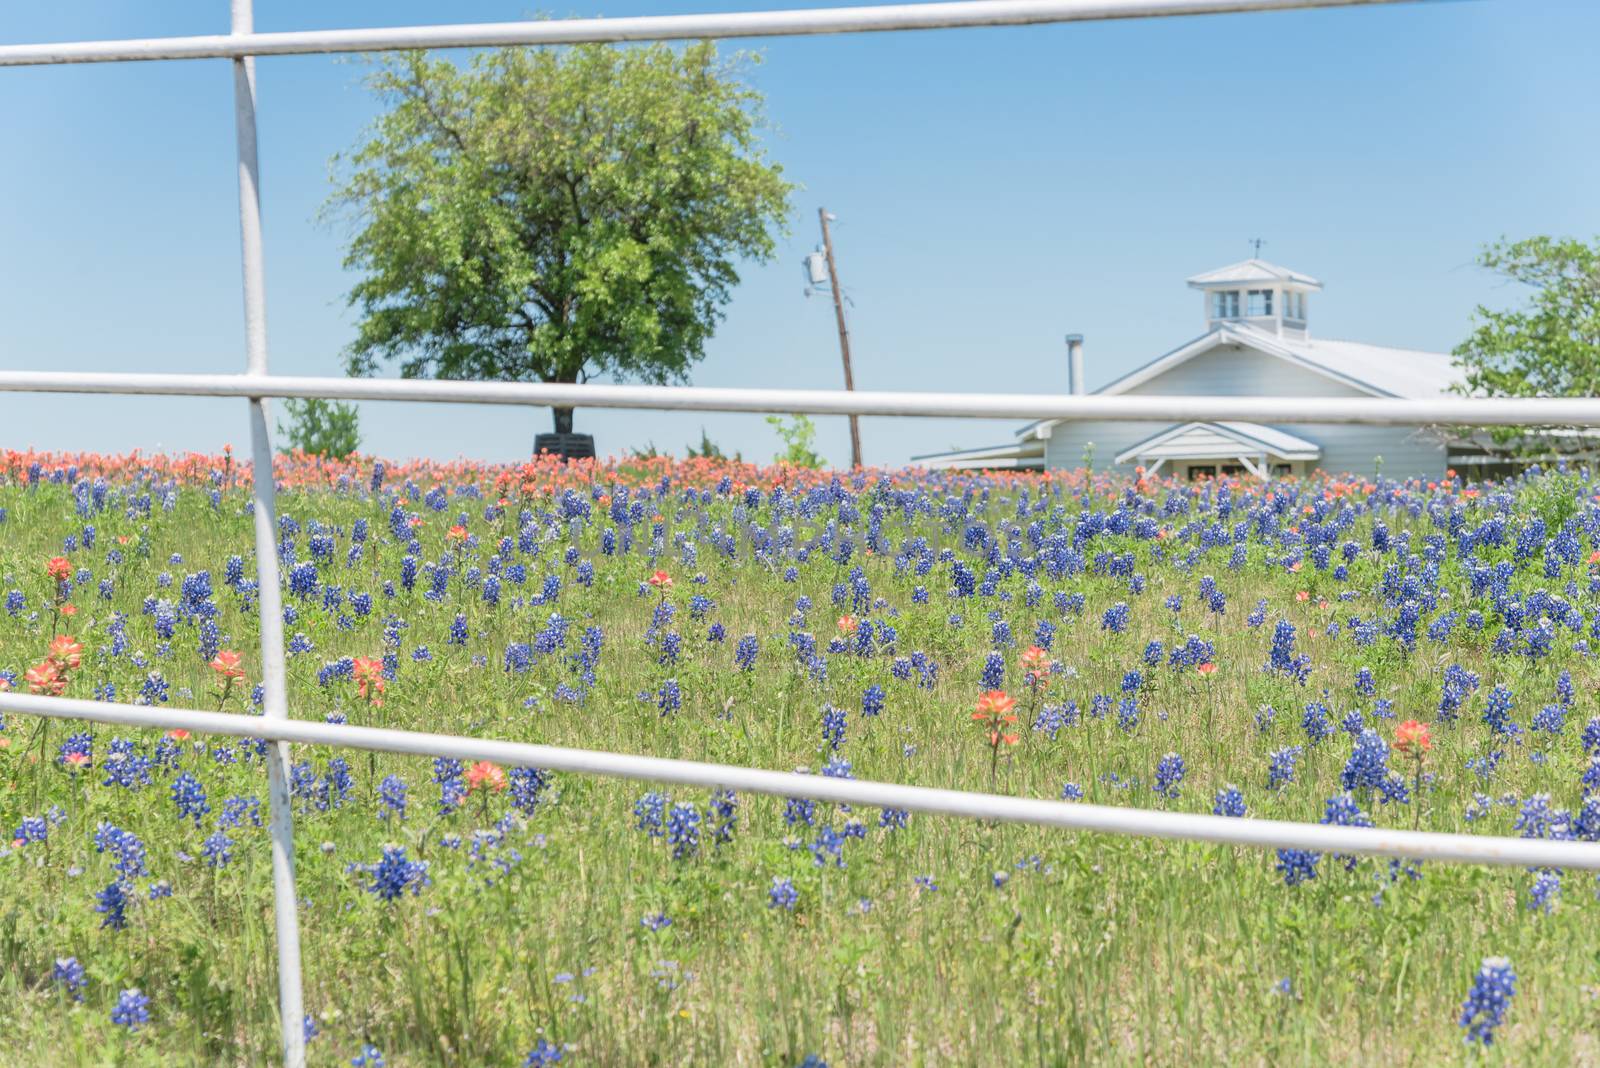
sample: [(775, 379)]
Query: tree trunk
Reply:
[(563, 420)]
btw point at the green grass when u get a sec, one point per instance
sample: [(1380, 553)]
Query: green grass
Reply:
[(1104, 950)]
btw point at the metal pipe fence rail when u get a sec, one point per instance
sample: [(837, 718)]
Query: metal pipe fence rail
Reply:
[(1371, 411), (256, 385)]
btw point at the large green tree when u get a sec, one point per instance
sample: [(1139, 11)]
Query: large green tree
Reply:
[(1548, 346), (555, 214)]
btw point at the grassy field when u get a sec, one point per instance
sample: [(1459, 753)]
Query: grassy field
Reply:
[(548, 924)]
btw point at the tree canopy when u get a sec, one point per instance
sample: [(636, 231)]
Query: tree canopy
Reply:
[(553, 215), (1549, 346)]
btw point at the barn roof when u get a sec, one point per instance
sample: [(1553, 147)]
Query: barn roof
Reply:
[(1246, 272)]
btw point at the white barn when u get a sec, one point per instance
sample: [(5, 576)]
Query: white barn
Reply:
[(1257, 342)]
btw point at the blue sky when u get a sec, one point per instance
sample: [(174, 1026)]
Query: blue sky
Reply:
[(995, 189)]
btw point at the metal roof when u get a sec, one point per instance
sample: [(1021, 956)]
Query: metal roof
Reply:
[(1193, 440), (1247, 271)]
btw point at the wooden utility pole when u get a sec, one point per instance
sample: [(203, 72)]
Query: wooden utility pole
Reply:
[(844, 335)]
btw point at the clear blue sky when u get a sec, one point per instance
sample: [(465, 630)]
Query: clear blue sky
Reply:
[(995, 189)]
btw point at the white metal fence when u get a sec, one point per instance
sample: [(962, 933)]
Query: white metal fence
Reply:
[(275, 726)]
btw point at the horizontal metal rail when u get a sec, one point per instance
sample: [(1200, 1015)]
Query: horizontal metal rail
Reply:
[(791, 23), (1220, 830), (1378, 411)]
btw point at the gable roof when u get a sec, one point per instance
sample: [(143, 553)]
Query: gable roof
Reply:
[(1376, 370), (1190, 440), (1247, 271)]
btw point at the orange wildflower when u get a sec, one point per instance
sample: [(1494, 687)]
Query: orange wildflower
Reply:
[(370, 683), (45, 678), (456, 533), (1035, 660), (1303, 595), (226, 663), (66, 653), (1413, 737), (69, 609), (849, 624), (59, 568), (486, 773), (996, 706), (178, 734), (661, 580), (1207, 668)]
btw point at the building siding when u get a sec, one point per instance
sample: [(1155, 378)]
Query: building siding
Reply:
[(1233, 370)]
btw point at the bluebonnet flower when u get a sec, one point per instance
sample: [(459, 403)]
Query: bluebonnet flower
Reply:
[(833, 727), (1497, 712), (528, 786), (650, 812), (799, 810), (449, 774), (69, 975), (217, 850), (782, 894), (394, 874), (724, 809), (112, 903), (1281, 659), (1280, 772), (369, 1057), (670, 698), (744, 654), (1297, 865), (543, 1054), (131, 1010), (1229, 802), (126, 849), (190, 797), (1169, 774), (1071, 792), (1115, 619), (1484, 1010), (683, 830), (1368, 765), (658, 921), (872, 700)]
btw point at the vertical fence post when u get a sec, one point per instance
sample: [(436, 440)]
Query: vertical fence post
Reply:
[(286, 903)]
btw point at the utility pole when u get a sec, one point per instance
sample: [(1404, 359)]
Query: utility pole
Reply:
[(844, 334)]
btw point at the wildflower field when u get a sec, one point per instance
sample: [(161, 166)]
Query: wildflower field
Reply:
[(1397, 653)]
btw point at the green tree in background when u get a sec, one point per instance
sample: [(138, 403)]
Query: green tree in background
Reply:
[(1549, 346), (548, 215), (708, 450), (799, 436), (320, 427)]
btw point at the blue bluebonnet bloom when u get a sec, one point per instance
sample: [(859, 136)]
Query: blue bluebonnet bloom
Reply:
[(650, 813), (190, 797), (1280, 771), (392, 797), (744, 654), (543, 1054), (683, 830), (394, 874), (68, 974), (112, 903), (131, 1010), (1228, 802), (1115, 619), (782, 894), (1484, 1010), (833, 727), (1169, 774), (369, 1057)]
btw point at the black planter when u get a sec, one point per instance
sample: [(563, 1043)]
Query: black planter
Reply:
[(566, 446)]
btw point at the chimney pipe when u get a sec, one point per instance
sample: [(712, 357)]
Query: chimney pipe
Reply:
[(1075, 364)]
